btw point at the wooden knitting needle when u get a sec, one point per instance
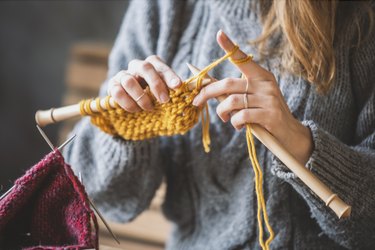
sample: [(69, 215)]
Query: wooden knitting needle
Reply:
[(54, 115), (331, 199)]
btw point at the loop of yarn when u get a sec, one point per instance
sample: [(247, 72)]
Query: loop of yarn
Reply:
[(177, 117)]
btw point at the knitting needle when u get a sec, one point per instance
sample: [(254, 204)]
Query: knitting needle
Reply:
[(99, 214), (54, 115), (6, 193), (341, 209), (45, 137), (66, 142)]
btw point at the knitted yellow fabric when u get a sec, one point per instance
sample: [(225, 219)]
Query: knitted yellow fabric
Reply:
[(174, 117), (177, 117)]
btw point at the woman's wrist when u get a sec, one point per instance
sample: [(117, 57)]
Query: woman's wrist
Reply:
[(303, 144)]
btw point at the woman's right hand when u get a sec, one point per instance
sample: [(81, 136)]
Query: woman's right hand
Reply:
[(127, 86)]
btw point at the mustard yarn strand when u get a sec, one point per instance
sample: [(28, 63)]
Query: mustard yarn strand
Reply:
[(259, 192)]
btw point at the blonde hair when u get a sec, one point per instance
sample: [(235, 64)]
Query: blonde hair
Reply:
[(304, 31)]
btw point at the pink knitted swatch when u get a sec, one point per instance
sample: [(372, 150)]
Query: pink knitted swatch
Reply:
[(47, 209)]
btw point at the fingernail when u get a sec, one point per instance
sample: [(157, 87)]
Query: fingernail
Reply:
[(164, 98), (174, 82)]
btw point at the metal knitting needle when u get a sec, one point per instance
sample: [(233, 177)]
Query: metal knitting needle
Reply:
[(66, 142), (45, 137), (6, 193), (49, 144), (100, 215), (49, 141)]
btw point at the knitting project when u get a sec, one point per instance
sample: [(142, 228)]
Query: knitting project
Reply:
[(177, 117), (48, 208)]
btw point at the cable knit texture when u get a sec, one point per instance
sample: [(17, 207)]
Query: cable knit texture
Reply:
[(47, 209), (210, 197)]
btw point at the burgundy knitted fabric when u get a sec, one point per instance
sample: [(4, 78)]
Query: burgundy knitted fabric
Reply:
[(47, 209)]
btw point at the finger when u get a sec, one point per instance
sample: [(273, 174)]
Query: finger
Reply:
[(123, 99), (219, 88), (147, 71), (111, 83), (166, 73), (250, 69), (135, 91), (237, 102), (245, 116)]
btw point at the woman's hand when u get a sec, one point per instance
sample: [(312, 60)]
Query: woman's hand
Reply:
[(127, 86), (257, 99)]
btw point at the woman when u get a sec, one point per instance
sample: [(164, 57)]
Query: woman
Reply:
[(313, 90)]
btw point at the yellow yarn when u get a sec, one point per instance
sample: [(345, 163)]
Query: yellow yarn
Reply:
[(177, 117), (259, 191)]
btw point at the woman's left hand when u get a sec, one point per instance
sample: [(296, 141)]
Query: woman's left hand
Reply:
[(257, 99)]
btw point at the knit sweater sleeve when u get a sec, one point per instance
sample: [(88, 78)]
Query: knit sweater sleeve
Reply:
[(348, 170), (121, 176)]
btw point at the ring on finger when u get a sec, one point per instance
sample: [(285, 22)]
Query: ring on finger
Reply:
[(247, 86), (245, 101), (140, 97)]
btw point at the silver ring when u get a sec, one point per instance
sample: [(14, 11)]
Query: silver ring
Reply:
[(139, 97), (245, 101), (247, 86)]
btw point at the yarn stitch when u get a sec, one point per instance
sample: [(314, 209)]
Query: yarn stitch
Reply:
[(48, 208)]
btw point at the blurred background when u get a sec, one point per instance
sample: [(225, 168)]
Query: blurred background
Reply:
[(54, 53), (36, 41)]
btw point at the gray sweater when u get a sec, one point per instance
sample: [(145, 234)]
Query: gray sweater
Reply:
[(210, 197)]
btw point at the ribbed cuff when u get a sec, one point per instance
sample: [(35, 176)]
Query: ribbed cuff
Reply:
[(333, 162)]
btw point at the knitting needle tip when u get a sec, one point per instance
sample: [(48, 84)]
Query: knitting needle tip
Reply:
[(66, 142), (191, 67), (45, 137), (196, 70), (6, 193)]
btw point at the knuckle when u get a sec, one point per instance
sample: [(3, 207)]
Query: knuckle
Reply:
[(146, 66), (117, 92), (233, 100), (228, 82), (128, 82), (204, 91), (157, 84)]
